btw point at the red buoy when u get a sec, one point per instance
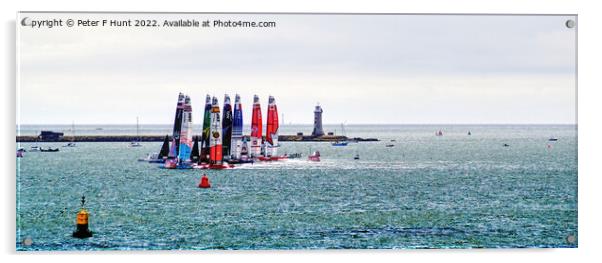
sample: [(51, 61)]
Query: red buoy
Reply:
[(204, 182)]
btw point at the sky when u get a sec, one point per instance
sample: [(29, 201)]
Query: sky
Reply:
[(381, 69)]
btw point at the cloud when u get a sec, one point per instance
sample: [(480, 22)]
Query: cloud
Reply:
[(451, 69)]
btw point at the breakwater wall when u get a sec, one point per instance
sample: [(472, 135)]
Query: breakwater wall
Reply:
[(159, 138)]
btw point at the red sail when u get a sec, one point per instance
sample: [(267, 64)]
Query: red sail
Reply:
[(256, 128), (272, 124)]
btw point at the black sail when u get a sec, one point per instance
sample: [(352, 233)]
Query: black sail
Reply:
[(177, 128), (205, 134), (195, 155), (164, 148), (226, 128)]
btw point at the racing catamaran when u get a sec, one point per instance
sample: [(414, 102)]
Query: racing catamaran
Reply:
[(227, 128), (186, 133), (271, 133), (215, 142), (179, 156), (172, 161), (237, 129), (256, 129), (205, 134)]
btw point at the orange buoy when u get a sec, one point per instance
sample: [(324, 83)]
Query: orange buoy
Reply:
[(204, 182)]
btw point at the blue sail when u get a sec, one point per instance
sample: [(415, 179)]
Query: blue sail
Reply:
[(237, 122), (237, 119)]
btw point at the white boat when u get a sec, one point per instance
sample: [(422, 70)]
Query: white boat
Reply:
[(343, 142), (137, 142), (72, 143)]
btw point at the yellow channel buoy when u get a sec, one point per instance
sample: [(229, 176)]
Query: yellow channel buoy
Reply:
[(81, 222)]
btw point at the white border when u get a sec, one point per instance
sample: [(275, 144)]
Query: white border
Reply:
[(588, 109)]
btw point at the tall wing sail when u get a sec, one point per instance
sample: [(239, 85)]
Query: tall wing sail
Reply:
[(164, 148), (237, 128), (177, 127), (216, 138), (271, 133), (206, 125), (186, 134), (256, 128), (194, 156), (227, 127)]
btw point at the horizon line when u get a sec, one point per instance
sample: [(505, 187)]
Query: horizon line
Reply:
[(282, 124)]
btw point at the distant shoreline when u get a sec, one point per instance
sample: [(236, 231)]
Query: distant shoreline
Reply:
[(160, 138), (324, 124)]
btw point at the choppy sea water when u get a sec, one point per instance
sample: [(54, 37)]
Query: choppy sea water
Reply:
[(454, 191)]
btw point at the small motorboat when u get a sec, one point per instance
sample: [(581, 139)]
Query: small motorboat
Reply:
[(70, 144), (390, 145), (34, 148), (393, 140), (135, 144), (314, 157), (553, 139), (356, 157), (344, 141), (340, 143), (506, 145), (49, 149)]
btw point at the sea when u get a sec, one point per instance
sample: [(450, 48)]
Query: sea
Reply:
[(426, 191)]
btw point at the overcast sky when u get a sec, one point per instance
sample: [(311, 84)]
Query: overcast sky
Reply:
[(389, 69)]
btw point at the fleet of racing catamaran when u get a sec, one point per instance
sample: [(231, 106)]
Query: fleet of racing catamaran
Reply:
[(221, 143)]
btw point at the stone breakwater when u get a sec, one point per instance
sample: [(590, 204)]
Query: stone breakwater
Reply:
[(158, 138)]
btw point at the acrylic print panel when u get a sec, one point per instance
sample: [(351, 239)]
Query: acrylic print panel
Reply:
[(295, 131)]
